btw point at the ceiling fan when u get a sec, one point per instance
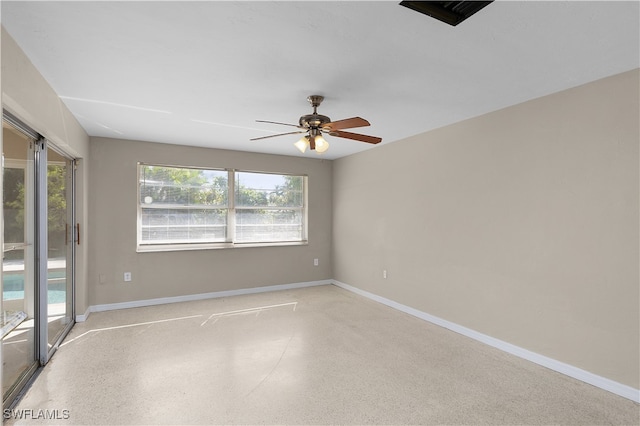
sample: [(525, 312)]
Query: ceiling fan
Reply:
[(314, 125)]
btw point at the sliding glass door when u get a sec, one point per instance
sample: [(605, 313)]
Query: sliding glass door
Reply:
[(38, 253), (18, 263), (60, 245)]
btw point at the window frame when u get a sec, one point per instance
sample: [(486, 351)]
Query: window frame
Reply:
[(229, 242)]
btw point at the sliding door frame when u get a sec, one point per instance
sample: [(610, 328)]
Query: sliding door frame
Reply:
[(41, 245), (47, 349)]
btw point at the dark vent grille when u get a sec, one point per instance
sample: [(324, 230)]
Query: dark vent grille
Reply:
[(451, 12)]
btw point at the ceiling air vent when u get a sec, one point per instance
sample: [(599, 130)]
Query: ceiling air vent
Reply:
[(451, 12)]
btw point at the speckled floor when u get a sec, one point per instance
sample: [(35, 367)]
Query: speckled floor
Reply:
[(317, 355)]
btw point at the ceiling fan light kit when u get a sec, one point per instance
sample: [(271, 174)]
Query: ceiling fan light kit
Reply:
[(302, 144), (314, 141), (314, 125), (321, 144)]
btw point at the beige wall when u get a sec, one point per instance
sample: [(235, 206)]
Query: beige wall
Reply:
[(521, 224), (27, 95), (167, 274)]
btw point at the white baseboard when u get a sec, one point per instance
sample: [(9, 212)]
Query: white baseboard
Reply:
[(200, 296), (555, 365), (83, 317)]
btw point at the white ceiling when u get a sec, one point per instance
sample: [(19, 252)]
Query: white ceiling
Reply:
[(200, 73)]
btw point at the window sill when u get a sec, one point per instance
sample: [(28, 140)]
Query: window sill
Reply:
[(216, 246)]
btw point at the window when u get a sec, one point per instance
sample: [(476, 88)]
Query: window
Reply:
[(268, 207), (190, 208)]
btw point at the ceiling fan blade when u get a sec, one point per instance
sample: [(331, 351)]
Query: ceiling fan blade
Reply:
[(356, 136), (283, 124), (347, 123), (279, 134)]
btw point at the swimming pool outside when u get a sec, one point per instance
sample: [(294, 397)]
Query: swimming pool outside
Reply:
[(13, 287)]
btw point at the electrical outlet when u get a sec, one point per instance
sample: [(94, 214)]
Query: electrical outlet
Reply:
[(127, 276), (315, 262), (384, 274)]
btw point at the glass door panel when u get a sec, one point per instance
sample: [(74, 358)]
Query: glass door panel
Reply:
[(18, 262), (60, 233)]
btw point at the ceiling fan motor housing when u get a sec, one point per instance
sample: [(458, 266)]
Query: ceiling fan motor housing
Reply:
[(314, 121)]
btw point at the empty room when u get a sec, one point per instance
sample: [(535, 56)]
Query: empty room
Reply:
[(300, 212)]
